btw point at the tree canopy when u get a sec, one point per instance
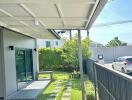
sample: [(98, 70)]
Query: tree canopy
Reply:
[(65, 58), (70, 49), (115, 42)]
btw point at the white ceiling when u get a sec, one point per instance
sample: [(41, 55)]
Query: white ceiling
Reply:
[(21, 15)]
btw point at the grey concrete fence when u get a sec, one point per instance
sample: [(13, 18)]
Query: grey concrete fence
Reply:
[(109, 84)]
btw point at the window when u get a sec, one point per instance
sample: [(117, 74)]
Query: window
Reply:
[(48, 44), (120, 59), (56, 43), (24, 67), (129, 60)]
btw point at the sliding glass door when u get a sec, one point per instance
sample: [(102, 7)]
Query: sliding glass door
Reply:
[(24, 67), (29, 65)]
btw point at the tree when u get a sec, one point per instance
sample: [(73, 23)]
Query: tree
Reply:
[(115, 42), (70, 48), (65, 58)]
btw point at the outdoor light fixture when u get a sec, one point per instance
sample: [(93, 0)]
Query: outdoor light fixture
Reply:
[(35, 49), (11, 47), (100, 57)]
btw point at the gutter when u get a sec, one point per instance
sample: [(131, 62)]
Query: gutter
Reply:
[(54, 33), (97, 11)]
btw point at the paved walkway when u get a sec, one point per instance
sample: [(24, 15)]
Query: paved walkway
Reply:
[(31, 92), (67, 93)]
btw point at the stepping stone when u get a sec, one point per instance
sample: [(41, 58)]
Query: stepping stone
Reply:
[(71, 79), (68, 84), (61, 80), (53, 95), (56, 91), (58, 84), (66, 94), (55, 84), (66, 99), (51, 98), (58, 88), (68, 87), (68, 90)]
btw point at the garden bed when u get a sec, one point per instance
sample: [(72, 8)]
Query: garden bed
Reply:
[(64, 87)]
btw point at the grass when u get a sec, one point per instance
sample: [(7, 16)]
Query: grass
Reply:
[(76, 87), (76, 90)]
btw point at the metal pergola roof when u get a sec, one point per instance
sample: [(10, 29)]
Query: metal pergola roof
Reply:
[(36, 17)]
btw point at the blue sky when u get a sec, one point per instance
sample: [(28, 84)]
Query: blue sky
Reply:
[(115, 10)]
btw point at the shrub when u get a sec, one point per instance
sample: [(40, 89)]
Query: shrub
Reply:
[(65, 58), (50, 59)]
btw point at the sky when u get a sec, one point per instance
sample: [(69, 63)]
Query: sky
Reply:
[(114, 11)]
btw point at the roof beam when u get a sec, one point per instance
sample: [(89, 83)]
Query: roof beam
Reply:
[(6, 13), (49, 1), (27, 10), (44, 18), (48, 27), (92, 13), (60, 13), (11, 16), (25, 24), (32, 14)]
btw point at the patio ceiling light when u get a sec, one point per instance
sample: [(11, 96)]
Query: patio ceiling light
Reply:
[(36, 22)]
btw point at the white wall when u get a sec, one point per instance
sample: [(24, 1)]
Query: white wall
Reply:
[(111, 53), (1, 72), (42, 43), (17, 40)]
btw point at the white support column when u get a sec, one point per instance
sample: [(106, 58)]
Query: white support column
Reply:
[(37, 59), (87, 33), (81, 64), (70, 34)]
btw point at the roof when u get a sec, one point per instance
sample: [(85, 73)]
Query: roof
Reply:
[(96, 44), (36, 17)]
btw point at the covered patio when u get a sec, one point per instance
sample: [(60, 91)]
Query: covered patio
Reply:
[(38, 18)]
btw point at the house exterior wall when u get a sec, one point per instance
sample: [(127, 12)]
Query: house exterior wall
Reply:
[(42, 43), (11, 38), (110, 54)]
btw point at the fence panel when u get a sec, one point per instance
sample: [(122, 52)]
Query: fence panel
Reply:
[(111, 84), (90, 69)]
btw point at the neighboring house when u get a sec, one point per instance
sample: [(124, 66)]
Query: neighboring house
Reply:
[(18, 61), (109, 53), (96, 44), (50, 43)]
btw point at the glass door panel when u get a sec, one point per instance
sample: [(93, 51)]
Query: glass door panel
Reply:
[(24, 67), (20, 68), (29, 65)]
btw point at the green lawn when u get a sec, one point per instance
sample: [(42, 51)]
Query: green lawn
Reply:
[(76, 87)]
